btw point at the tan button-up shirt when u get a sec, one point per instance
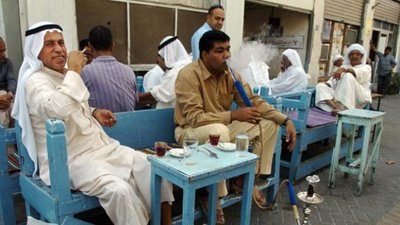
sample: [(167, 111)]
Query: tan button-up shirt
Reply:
[(202, 98)]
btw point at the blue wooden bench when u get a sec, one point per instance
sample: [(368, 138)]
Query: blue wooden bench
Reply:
[(9, 184), (301, 103), (137, 129)]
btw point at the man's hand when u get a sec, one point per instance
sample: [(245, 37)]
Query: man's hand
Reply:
[(5, 101), (247, 114), (338, 73), (105, 117), (290, 135), (76, 61)]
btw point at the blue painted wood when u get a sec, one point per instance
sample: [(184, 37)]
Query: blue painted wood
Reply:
[(301, 102), (56, 204), (137, 129), (206, 172), (9, 183), (357, 117)]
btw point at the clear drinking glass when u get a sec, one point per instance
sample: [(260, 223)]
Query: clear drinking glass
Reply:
[(189, 147), (242, 144)]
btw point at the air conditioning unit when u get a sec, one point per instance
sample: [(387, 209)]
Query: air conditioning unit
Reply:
[(324, 52)]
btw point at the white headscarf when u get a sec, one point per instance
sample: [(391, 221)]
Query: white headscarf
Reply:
[(336, 58), (294, 58), (31, 64), (173, 53), (355, 47)]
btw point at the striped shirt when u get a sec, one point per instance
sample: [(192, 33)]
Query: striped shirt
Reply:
[(112, 85)]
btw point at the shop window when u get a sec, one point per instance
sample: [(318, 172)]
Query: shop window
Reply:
[(325, 52), (351, 36), (188, 23), (147, 31)]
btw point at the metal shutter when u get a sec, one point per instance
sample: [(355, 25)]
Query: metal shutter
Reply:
[(388, 11), (344, 11)]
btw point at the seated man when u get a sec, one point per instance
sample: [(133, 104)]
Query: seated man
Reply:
[(172, 57), (98, 165), (293, 76), (352, 84), (337, 62), (153, 77), (111, 84), (8, 84), (205, 91)]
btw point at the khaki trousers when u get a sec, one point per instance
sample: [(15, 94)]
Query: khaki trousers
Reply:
[(263, 135)]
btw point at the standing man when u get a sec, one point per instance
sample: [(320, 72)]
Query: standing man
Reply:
[(215, 21), (205, 92), (8, 84), (111, 84), (386, 64), (98, 165)]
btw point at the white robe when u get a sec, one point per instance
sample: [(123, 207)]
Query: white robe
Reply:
[(152, 78), (98, 165), (292, 79), (350, 91), (164, 92)]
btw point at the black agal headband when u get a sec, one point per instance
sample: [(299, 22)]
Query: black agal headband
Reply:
[(42, 28), (167, 42)]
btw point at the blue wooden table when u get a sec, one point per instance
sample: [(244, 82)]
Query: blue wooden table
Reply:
[(206, 172)]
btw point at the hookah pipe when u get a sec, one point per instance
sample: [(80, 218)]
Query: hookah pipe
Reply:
[(309, 197), (240, 88)]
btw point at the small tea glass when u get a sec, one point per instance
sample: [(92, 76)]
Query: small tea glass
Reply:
[(242, 144), (214, 138), (160, 147), (189, 147)]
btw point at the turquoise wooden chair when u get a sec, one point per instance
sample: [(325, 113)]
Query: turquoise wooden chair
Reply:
[(56, 203), (9, 183)]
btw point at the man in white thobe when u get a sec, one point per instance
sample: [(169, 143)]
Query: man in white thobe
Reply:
[(172, 57), (152, 78), (293, 76), (98, 165), (352, 89)]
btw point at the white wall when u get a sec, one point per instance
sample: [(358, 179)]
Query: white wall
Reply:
[(61, 12), (305, 5), (233, 25), (316, 43)]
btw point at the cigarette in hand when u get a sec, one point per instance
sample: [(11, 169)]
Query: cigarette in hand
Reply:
[(84, 50)]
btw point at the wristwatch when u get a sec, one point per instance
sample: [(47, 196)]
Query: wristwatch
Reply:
[(285, 121)]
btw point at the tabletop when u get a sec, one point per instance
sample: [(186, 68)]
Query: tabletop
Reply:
[(204, 164)]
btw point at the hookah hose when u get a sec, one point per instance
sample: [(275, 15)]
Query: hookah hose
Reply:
[(240, 89), (292, 198)]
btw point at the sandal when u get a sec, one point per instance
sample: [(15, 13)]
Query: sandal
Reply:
[(220, 212), (261, 202)]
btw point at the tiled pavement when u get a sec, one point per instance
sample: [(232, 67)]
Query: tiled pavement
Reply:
[(378, 203)]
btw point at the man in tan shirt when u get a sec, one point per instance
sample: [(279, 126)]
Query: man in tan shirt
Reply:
[(205, 92)]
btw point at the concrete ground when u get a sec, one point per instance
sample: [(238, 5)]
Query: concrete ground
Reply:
[(378, 203)]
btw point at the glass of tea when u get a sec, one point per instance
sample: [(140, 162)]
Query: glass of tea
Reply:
[(160, 147)]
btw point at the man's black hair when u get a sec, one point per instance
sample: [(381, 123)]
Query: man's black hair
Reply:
[(388, 48), (209, 38), (212, 8), (100, 38), (83, 43)]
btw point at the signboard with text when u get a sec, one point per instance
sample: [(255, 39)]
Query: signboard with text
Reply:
[(286, 42)]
